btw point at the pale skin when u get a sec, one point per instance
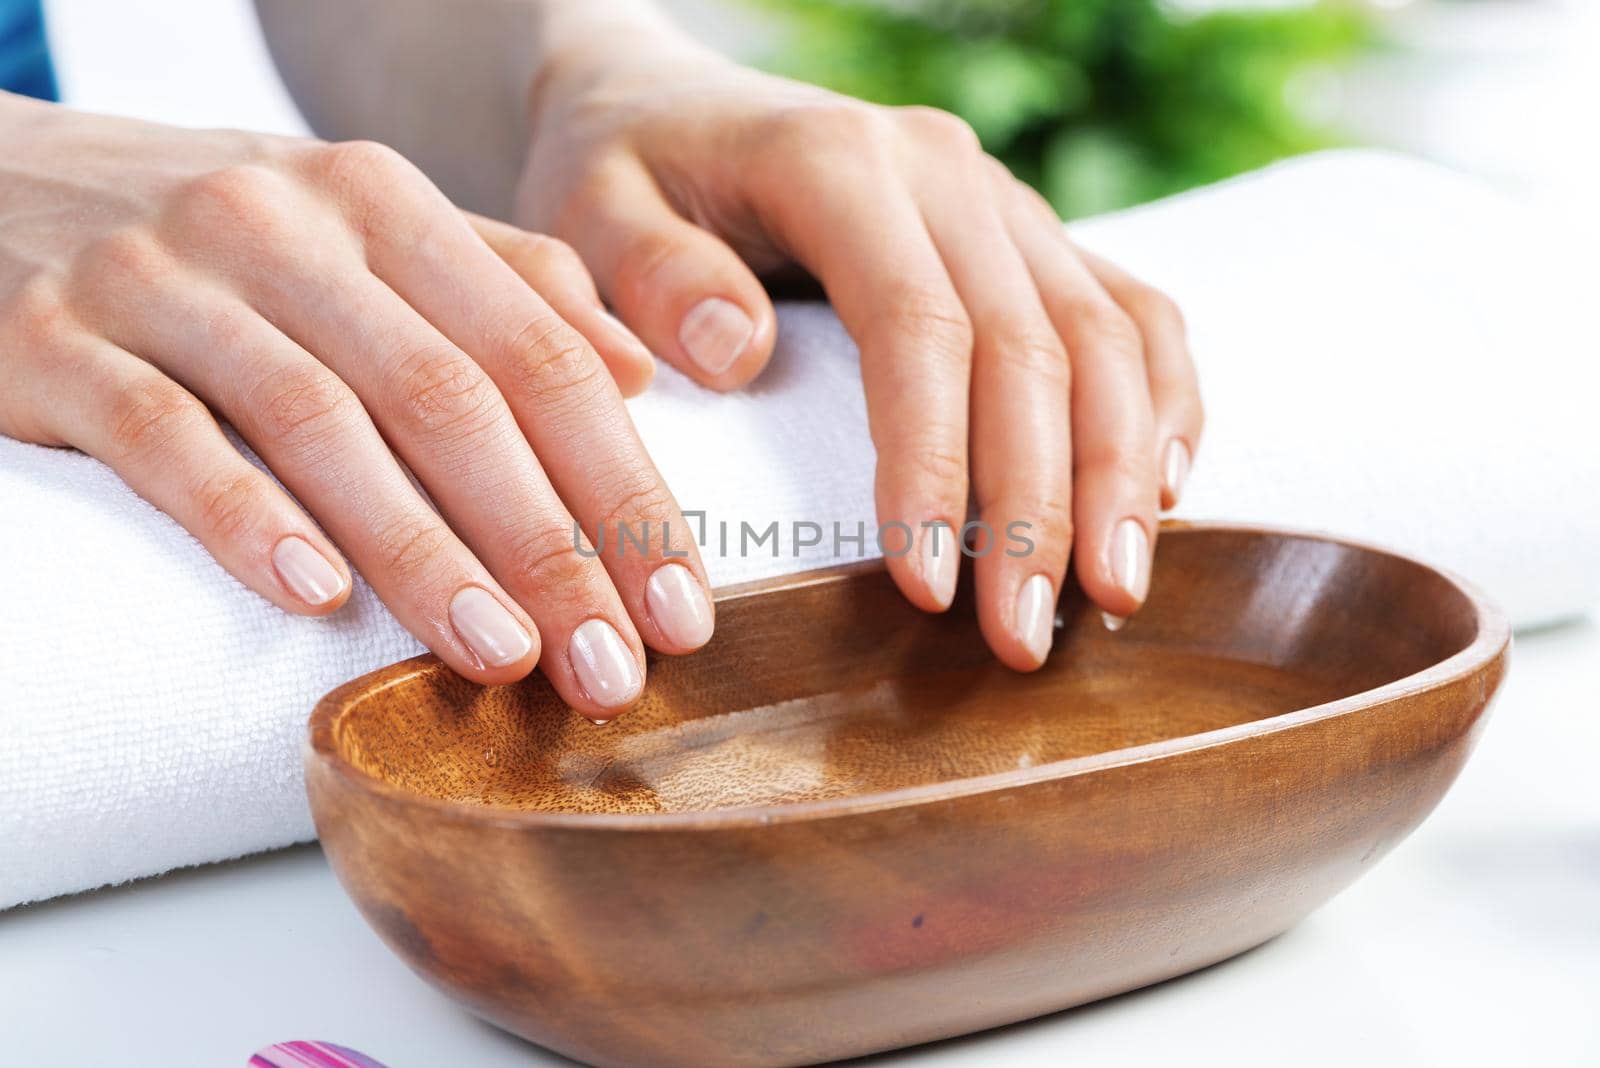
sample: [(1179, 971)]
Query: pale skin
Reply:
[(334, 303)]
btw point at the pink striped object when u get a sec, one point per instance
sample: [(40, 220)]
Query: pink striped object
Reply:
[(310, 1055)]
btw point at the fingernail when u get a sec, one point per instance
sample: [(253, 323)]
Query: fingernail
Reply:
[(940, 561), (1036, 616), (488, 627), (1130, 558), (1113, 623), (306, 572), (605, 665), (597, 722), (714, 333), (626, 336), (1175, 468), (679, 607)]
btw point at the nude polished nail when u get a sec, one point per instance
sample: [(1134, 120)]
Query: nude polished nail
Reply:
[(604, 664), (1175, 468), (939, 561), (305, 572), (1130, 559), (1036, 616), (488, 627), (714, 333), (679, 606)]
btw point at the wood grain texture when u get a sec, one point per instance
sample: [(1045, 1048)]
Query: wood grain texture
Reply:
[(843, 828)]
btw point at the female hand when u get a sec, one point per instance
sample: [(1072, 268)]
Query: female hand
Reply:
[(328, 302), (992, 350)]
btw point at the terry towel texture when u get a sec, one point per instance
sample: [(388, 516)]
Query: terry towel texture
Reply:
[(1388, 351)]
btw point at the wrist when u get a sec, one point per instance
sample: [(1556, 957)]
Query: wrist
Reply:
[(604, 53)]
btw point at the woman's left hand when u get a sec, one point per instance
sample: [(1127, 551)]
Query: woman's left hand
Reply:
[(992, 348)]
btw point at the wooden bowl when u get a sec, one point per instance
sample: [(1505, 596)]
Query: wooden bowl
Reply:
[(843, 827)]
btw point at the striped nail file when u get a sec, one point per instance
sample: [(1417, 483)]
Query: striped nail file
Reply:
[(310, 1055)]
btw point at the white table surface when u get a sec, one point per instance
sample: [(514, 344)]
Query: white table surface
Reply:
[(1476, 942)]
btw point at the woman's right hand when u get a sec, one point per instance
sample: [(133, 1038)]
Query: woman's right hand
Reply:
[(332, 305)]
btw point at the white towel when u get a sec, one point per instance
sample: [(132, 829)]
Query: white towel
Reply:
[(1388, 350)]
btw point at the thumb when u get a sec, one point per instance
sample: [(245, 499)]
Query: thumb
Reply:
[(688, 295)]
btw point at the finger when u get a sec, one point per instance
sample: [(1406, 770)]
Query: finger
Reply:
[(167, 447), (1174, 381), (689, 296), (314, 434), (451, 426), (1021, 391), (1116, 484), (571, 413), (310, 278), (851, 222), (555, 272)]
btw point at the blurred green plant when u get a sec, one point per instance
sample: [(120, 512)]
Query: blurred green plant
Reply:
[(1097, 103)]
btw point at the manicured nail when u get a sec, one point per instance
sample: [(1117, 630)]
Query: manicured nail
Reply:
[(625, 336), (939, 562), (1036, 616), (714, 333), (679, 606), (488, 628), (1130, 559), (1113, 623), (605, 665), (597, 722), (306, 572), (1175, 468)]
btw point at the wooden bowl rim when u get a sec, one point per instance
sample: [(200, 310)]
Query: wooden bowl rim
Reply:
[(1490, 643)]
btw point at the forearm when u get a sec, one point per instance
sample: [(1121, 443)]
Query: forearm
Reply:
[(445, 83)]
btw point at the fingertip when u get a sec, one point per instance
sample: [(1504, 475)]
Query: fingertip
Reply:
[(317, 581), (1114, 568), (632, 365), (497, 645), (680, 610)]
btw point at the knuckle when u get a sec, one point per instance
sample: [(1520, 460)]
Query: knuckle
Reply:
[(227, 506), (150, 417), (636, 498), (933, 320), (1034, 357), (822, 136), (1157, 308), (361, 177), (547, 562), (295, 406), (552, 252), (949, 133), (1108, 328), (36, 315), (353, 165), (438, 392), (124, 258), (248, 196), (553, 366), (1130, 461)]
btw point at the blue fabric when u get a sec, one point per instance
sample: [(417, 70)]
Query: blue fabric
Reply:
[(24, 54)]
